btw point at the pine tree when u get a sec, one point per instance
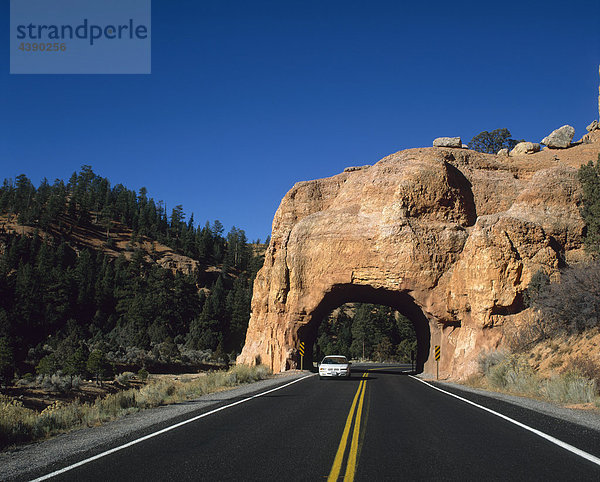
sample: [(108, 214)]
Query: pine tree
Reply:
[(6, 361), (7, 197), (98, 366), (589, 177), (492, 142)]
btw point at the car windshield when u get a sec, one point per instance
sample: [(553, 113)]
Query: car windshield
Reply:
[(335, 360)]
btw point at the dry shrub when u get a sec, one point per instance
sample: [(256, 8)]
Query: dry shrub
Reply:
[(113, 405), (19, 424), (527, 331), (124, 378), (585, 367), (489, 359), (567, 305), (512, 373), (58, 382), (573, 303), (515, 375), (16, 422), (475, 380), (570, 388)]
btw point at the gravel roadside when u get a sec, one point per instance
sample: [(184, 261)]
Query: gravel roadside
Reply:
[(585, 418), (16, 463)]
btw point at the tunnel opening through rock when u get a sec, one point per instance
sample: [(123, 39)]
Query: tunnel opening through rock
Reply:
[(340, 295), (367, 333)]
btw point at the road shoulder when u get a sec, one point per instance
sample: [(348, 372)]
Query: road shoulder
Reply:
[(586, 418), (16, 464)]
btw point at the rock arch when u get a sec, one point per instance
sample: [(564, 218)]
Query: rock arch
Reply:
[(449, 236)]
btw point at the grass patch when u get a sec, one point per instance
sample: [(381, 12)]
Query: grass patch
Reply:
[(20, 425), (511, 373)]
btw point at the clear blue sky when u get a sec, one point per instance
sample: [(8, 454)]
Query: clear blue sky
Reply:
[(248, 97)]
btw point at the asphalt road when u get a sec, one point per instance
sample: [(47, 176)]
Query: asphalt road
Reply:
[(380, 425)]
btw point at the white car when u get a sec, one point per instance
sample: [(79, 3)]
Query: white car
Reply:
[(334, 366)]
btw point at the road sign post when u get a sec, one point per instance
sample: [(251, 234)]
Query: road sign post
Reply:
[(301, 350), (437, 361)]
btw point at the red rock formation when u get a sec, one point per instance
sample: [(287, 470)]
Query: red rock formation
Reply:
[(449, 237)]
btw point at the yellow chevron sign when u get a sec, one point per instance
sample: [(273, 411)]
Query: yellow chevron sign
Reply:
[(437, 352), (301, 348)]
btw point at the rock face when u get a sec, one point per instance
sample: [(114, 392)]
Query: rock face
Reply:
[(592, 127), (448, 142), (560, 138), (177, 262), (525, 148), (448, 237), (503, 152)]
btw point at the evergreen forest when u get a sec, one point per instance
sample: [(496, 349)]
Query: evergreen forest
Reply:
[(365, 331), (68, 305)]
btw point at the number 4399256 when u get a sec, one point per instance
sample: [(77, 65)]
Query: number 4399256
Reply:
[(42, 47)]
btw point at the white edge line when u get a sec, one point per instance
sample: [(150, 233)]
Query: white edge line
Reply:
[(164, 430), (549, 438)]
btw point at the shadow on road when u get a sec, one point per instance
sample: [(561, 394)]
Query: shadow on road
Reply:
[(399, 371), (358, 372)]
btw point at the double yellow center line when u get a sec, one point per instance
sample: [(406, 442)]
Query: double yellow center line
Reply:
[(353, 415)]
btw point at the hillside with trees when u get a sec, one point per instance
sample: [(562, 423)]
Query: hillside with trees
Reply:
[(84, 286)]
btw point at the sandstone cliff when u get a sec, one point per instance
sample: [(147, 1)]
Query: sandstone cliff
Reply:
[(450, 237)]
